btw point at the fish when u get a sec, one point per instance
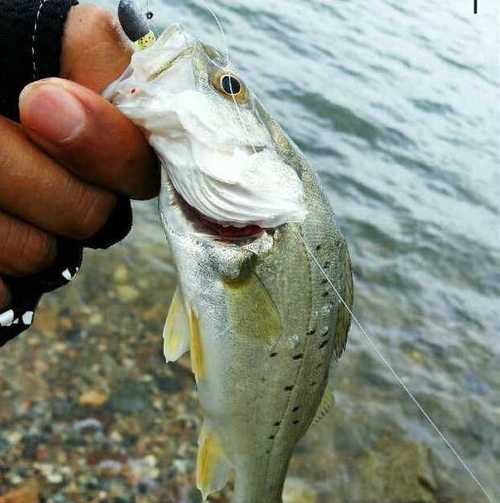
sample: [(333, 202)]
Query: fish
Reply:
[(263, 305)]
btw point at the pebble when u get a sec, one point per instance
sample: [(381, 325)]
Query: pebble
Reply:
[(110, 467), (50, 472), (127, 293), (397, 472), (87, 424), (96, 319), (168, 385), (130, 397), (93, 398), (120, 274), (298, 491), (29, 493)]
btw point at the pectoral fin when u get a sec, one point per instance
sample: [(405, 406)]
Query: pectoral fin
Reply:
[(213, 468), (197, 349), (325, 406), (176, 333)]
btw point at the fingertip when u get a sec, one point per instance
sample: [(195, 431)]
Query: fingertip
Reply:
[(51, 112)]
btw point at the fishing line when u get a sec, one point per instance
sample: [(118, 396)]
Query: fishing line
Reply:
[(378, 352), (223, 33), (225, 67), (399, 380)]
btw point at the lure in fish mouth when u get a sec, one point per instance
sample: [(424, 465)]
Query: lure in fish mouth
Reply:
[(262, 324)]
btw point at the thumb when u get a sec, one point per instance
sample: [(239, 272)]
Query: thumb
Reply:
[(95, 50)]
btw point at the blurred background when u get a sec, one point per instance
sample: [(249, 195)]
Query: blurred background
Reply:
[(397, 106)]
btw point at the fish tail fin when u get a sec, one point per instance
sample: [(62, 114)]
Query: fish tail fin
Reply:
[(176, 334), (213, 468)]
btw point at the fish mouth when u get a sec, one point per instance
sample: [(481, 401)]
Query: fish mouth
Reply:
[(223, 232), (185, 219)]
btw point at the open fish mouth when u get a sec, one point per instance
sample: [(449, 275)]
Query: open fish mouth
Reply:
[(184, 219), (227, 232)]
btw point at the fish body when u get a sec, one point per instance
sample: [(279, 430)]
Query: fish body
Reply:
[(261, 321)]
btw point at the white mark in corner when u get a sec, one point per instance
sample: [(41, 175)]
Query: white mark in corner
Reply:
[(67, 275), (7, 318), (28, 317)]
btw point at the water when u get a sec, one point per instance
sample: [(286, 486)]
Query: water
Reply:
[(397, 106)]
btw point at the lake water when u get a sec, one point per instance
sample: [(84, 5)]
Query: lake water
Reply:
[(397, 104)]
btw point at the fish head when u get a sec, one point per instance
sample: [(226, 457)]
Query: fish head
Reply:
[(226, 160)]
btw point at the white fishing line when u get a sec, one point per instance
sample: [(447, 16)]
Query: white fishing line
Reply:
[(223, 33), (225, 66), (399, 380), (368, 338)]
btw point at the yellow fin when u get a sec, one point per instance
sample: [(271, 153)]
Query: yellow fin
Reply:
[(197, 353), (176, 331), (325, 406), (213, 468)]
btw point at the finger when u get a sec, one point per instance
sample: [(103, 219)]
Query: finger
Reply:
[(37, 190), (95, 51), (24, 249), (81, 130), (5, 297)]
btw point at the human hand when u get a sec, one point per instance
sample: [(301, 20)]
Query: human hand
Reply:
[(62, 168)]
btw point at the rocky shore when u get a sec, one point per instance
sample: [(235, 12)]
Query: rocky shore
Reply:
[(90, 413)]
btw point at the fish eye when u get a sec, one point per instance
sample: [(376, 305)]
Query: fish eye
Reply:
[(230, 86)]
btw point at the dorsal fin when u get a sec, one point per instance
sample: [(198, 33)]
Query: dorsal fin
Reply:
[(176, 332)]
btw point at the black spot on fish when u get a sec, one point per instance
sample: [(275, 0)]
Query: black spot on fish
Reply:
[(324, 343), (298, 357), (272, 437), (314, 383), (296, 421), (318, 248), (311, 332), (277, 423), (324, 281), (272, 355), (326, 294), (288, 388), (295, 409), (326, 265)]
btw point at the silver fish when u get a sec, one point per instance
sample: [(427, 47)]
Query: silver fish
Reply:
[(261, 321)]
